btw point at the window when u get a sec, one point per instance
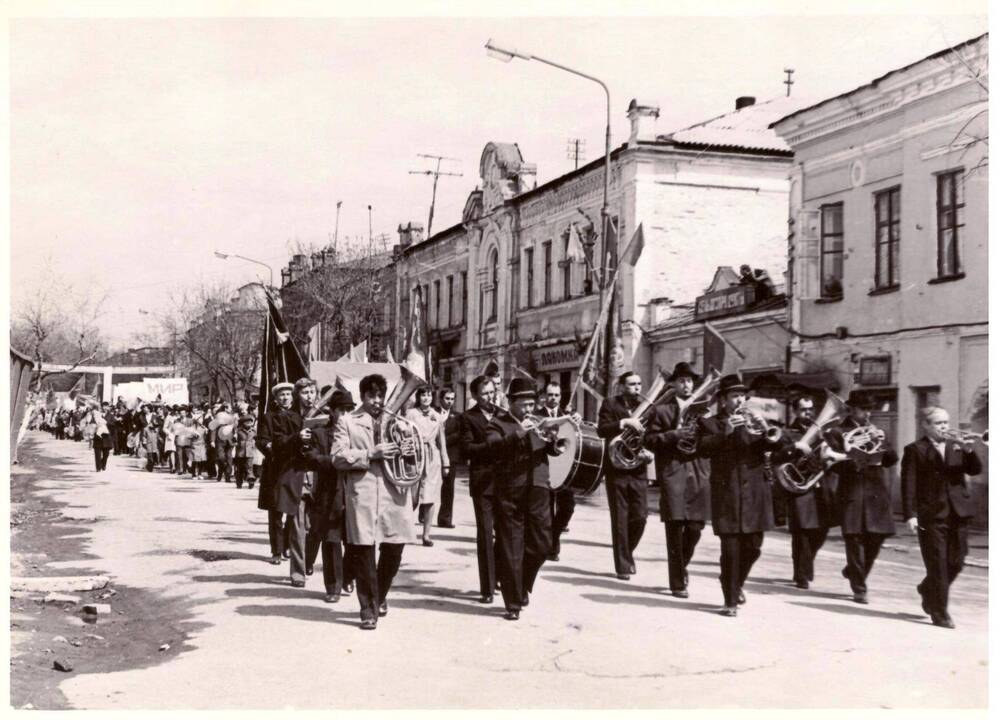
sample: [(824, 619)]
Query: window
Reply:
[(547, 276), (465, 295), (950, 220), (437, 303), (451, 299), (494, 267), (567, 269), (831, 260), (529, 271), (887, 239)]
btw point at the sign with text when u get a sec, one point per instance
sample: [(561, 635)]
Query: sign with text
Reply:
[(723, 302), (173, 391), (557, 356)]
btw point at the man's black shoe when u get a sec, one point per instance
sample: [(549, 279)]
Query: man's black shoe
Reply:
[(742, 599), (679, 593), (486, 599), (943, 621), (512, 615), (449, 526), (383, 608), (624, 576), (368, 624)]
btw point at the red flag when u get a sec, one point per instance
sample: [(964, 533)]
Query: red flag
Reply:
[(415, 355), (713, 356), (280, 360)]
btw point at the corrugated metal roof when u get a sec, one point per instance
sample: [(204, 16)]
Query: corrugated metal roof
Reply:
[(747, 128)]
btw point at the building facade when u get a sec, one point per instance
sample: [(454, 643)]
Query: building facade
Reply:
[(888, 256)]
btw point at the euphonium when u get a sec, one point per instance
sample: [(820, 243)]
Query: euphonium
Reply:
[(625, 448), (405, 469), (691, 410), (806, 471)]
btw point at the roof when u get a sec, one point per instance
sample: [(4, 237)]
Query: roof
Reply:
[(746, 129), (880, 79), (683, 315)]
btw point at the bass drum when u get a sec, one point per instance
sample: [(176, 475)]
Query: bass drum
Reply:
[(580, 466)]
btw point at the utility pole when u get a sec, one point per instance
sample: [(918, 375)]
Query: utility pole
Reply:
[(574, 150), (436, 173), (788, 81), (369, 226), (336, 228)]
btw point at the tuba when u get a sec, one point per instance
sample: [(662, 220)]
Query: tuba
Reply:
[(405, 469), (691, 410), (801, 475), (625, 448)]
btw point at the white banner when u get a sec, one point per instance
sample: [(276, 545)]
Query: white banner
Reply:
[(172, 391)]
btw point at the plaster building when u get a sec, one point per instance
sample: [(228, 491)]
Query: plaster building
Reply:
[(888, 254)]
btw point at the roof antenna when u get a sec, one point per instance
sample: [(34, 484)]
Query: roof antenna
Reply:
[(788, 81)]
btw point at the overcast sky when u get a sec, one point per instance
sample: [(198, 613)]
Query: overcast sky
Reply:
[(140, 146)]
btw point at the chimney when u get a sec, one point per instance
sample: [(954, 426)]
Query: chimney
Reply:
[(658, 311), (410, 234), (745, 101), (642, 121)]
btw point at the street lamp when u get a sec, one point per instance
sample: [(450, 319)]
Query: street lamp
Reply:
[(505, 55), (270, 271)]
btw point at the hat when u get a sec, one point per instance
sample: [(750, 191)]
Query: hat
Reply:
[(682, 369), (278, 387), (246, 418), (521, 387), (342, 399), (729, 383), (861, 400)]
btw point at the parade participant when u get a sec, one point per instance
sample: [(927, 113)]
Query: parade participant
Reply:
[(169, 447), (199, 442), (626, 488), (492, 372), (326, 512), (224, 442), (245, 441), (523, 495), (275, 421), (864, 494), (151, 441), (812, 513), (474, 424), (453, 442), (683, 478), (563, 501), (938, 507), (378, 513), (104, 439), (735, 440), (430, 425), (182, 440)]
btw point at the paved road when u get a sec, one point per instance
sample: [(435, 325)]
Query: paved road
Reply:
[(587, 640)]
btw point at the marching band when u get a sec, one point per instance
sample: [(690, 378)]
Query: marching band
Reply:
[(355, 478)]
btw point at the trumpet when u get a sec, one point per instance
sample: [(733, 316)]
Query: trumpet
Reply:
[(550, 433), (755, 424), (963, 436)]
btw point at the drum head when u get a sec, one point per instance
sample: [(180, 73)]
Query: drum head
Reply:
[(560, 466)]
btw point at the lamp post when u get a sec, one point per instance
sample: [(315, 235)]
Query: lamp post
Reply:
[(508, 55), (270, 271)]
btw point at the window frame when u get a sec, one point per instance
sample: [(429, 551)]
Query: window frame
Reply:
[(494, 270), (529, 276), (823, 252), (546, 272), (451, 299), (894, 195), (567, 270), (954, 207)]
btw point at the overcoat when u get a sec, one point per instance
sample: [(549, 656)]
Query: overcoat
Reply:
[(932, 485), (740, 488), (276, 427), (683, 478), (474, 424), (864, 492), (520, 458), (817, 506), (376, 510), (289, 457), (326, 512)]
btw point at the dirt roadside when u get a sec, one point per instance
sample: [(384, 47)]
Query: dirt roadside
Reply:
[(140, 622)]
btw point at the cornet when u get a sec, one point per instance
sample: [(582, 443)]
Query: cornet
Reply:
[(755, 424), (963, 436), (551, 432)]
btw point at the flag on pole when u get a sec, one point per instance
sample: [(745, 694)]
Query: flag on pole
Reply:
[(316, 342), (714, 348), (280, 360), (635, 247), (416, 357)]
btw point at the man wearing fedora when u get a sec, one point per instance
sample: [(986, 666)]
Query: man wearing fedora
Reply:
[(626, 489), (864, 493), (741, 494), (683, 479), (522, 494)]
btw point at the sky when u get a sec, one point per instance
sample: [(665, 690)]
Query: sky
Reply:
[(140, 146)]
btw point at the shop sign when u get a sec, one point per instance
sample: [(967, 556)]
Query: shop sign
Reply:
[(730, 301), (557, 356)]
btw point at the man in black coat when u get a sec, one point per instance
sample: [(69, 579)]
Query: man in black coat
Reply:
[(522, 495), (742, 507), (453, 441), (683, 479), (271, 424), (474, 424), (864, 493), (626, 488), (812, 513), (563, 499), (937, 506)]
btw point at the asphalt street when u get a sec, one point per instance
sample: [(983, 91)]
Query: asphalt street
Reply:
[(587, 640)]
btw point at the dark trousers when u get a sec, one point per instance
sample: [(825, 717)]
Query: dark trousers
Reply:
[(485, 552), (805, 545), (101, 458), (244, 471), (524, 533), (336, 572), (152, 460), (374, 580), (447, 498), (563, 505), (224, 461), (628, 507), (682, 538), (861, 550), (739, 552), (297, 528), (276, 532), (943, 545)]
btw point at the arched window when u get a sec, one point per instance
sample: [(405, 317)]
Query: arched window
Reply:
[(495, 282)]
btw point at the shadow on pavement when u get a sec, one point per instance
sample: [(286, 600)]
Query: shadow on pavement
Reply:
[(600, 582), (784, 587), (288, 593), (301, 612), (242, 579), (854, 609), (439, 605), (462, 551), (660, 602), (236, 538)]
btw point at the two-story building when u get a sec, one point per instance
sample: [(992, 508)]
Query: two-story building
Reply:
[(888, 254)]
